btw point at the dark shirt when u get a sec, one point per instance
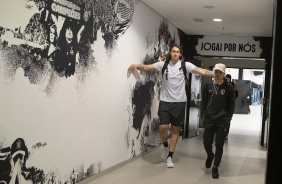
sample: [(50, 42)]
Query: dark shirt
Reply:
[(235, 90), (217, 101)]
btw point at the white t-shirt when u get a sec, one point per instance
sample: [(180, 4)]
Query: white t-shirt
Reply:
[(173, 88)]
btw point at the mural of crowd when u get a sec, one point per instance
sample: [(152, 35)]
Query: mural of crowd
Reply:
[(62, 33), (57, 41), (60, 39)]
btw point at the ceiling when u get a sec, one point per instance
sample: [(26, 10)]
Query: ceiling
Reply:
[(239, 17)]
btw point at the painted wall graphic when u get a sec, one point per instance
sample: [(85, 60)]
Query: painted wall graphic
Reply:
[(67, 99), (55, 38), (144, 93)]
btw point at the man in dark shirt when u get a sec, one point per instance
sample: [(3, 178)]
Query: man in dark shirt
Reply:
[(229, 79), (236, 94), (216, 111)]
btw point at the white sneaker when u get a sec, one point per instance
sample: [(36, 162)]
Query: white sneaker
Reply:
[(164, 153), (169, 163)]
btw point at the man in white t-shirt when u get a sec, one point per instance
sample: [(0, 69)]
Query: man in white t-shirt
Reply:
[(173, 97)]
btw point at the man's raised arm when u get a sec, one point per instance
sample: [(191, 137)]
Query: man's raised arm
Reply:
[(143, 67), (203, 72)]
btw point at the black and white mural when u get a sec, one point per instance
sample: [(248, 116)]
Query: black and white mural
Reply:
[(148, 89), (67, 99), (55, 38)]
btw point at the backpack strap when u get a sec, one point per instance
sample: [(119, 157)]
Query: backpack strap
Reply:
[(165, 67), (183, 67)]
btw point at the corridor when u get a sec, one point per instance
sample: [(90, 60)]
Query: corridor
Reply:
[(243, 161)]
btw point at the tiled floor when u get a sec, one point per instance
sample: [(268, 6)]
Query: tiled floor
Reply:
[(243, 160)]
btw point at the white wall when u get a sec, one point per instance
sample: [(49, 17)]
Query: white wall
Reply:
[(248, 74), (86, 124)]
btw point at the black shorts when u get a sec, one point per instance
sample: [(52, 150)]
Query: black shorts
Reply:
[(171, 113)]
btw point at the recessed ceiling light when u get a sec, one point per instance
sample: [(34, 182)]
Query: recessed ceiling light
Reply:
[(227, 34), (198, 20), (208, 7), (217, 20)]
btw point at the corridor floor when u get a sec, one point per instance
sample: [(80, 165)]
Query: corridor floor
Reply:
[(243, 161)]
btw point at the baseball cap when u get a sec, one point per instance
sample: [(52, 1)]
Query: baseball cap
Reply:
[(219, 66)]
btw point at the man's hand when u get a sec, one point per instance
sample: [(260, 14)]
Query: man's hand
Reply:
[(142, 67), (136, 66)]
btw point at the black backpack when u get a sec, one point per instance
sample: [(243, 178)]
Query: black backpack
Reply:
[(183, 67)]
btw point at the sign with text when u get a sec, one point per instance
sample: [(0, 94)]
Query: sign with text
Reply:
[(66, 8), (228, 46)]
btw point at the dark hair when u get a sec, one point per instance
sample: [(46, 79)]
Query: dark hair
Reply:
[(19, 145), (228, 76), (68, 24), (180, 49)]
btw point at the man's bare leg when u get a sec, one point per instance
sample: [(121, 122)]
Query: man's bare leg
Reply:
[(163, 131), (173, 141), (174, 137)]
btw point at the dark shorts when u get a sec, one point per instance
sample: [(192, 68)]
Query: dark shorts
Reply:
[(171, 113)]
